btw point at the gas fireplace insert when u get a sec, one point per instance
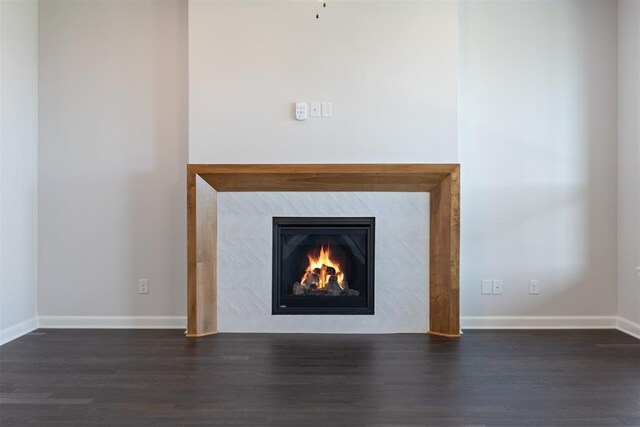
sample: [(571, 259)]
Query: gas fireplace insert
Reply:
[(323, 265)]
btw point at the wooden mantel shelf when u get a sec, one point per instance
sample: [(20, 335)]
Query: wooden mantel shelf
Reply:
[(204, 181)]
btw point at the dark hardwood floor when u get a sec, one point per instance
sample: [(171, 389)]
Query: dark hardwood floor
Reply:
[(157, 377)]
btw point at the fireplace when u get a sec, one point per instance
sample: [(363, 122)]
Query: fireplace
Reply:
[(442, 181), (323, 265)]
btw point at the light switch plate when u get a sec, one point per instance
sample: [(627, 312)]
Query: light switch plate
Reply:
[(314, 109), (485, 287), (326, 109), (497, 287)]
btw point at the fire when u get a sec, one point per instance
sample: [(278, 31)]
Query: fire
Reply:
[(324, 266)]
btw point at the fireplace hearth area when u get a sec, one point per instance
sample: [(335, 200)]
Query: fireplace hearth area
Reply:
[(323, 265)]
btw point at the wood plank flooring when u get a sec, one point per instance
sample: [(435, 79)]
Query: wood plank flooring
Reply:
[(157, 377)]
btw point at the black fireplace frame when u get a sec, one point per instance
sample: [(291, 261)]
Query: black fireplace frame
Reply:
[(369, 223)]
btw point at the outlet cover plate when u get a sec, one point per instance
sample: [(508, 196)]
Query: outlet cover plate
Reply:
[(485, 287), (497, 287), (534, 287), (143, 286)]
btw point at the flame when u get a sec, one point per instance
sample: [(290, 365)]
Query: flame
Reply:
[(323, 261)]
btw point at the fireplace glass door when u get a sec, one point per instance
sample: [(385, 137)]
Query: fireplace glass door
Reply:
[(323, 265)]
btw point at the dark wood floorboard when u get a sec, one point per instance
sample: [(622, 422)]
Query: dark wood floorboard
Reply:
[(158, 377)]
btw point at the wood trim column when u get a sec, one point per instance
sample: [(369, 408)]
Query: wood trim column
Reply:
[(201, 257), (444, 257)]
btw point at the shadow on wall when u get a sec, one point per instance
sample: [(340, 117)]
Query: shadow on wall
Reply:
[(112, 95), (537, 147), (157, 216)]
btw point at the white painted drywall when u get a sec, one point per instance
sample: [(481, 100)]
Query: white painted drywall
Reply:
[(113, 136), (389, 68), (18, 166), (401, 262), (629, 160), (538, 124), (537, 143), (537, 103)]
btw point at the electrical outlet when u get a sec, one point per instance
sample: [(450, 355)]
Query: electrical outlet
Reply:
[(534, 287), (485, 287), (143, 286), (497, 287)]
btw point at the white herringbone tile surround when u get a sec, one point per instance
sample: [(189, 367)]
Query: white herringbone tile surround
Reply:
[(244, 260)]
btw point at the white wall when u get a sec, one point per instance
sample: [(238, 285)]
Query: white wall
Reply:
[(537, 143), (401, 262), (389, 68), (629, 162), (534, 91), (18, 166), (537, 111), (113, 136)]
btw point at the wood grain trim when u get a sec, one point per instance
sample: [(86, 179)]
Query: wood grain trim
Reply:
[(201, 257), (323, 177), (323, 182), (323, 168), (192, 278), (442, 180), (200, 335), (438, 334), (444, 257)]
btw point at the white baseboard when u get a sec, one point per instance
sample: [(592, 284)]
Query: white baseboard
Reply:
[(538, 322), (628, 327), (16, 331), (113, 322), (180, 322)]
